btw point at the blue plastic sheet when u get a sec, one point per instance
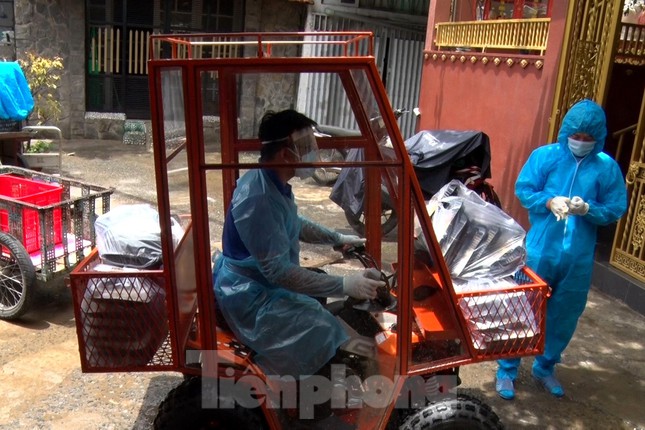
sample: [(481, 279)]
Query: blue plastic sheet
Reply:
[(16, 101)]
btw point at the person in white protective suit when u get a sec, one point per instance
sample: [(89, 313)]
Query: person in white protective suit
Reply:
[(569, 189), (266, 297)]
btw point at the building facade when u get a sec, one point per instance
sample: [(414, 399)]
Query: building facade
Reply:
[(103, 44)]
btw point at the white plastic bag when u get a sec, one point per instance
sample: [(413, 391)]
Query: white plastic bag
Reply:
[(478, 239), (130, 236)]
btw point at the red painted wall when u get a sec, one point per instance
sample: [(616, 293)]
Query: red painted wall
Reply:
[(510, 104)]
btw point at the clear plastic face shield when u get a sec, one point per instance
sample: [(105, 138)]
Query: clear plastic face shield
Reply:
[(305, 148)]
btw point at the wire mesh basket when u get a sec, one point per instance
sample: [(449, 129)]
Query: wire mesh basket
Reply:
[(121, 317)]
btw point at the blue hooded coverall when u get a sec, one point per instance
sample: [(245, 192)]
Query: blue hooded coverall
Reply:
[(260, 288), (562, 252)]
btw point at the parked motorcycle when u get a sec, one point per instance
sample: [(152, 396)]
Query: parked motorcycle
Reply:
[(438, 156), (327, 176)]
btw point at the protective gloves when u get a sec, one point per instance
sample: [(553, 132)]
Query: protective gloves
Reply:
[(560, 207), (363, 285), (350, 239), (577, 206)]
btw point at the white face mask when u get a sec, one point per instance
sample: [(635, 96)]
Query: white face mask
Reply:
[(305, 143), (581, 148), (307, 172)]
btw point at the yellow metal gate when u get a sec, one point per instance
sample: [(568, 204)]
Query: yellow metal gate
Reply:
[(587, 55), (629, 242), (591, 42)]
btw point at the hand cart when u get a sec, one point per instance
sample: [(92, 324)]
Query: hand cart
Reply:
[(46, 229)]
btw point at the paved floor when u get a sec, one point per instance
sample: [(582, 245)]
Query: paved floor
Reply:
[(603, 370)]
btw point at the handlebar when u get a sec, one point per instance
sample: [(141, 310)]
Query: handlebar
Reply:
[(384, 298)]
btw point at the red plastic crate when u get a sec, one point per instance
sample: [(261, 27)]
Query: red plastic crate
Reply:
[(37, 193)]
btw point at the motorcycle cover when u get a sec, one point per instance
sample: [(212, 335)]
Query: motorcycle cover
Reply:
[(350, 185), (435, 155)]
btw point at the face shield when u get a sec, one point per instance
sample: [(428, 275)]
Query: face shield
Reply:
[(305, 148)]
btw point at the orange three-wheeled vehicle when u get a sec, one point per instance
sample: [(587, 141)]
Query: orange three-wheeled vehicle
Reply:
[(208, 92)]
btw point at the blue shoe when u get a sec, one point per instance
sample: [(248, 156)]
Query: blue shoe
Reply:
[(505, 389), (550, 384)]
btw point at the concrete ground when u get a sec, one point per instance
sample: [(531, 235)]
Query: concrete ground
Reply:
[(603, 369)]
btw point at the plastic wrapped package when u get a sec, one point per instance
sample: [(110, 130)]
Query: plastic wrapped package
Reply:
[(110, 309), (478, 239), (462, 286), (506, 317), (130, 236)]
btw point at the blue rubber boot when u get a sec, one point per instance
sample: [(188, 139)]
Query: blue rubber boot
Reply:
[(550, 384), (506, 374), (504, 387)]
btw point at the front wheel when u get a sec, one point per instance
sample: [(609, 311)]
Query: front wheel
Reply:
[(463, 412), (183, 409), (17, 278)]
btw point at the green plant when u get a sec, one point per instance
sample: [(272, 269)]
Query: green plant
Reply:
[(43, 75), (39, 146)]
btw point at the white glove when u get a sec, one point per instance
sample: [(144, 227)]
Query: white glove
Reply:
[(363, 285), (577, 206), (350, 239), (560, 207)]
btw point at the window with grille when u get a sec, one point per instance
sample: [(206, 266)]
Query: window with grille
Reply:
[(117, 44)]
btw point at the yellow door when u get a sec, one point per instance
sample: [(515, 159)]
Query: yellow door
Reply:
[(629, 249), (587, 55)]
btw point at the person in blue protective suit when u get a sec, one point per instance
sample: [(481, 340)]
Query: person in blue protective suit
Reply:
[(266, 297), (569, 189)]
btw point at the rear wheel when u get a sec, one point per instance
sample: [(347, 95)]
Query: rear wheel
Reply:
[(183, 409), (17, 278), (389, 219), (463, 412)]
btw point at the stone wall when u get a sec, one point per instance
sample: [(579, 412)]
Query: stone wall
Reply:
[(50, 28), (262, 93)]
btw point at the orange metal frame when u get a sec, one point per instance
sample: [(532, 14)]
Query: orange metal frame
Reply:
[(187, 268)]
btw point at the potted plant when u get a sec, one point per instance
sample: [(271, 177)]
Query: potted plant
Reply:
[(40, 154), (43, 75)]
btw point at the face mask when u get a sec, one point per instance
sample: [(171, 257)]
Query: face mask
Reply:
[(581, 148), (307, 172), (304, 142)]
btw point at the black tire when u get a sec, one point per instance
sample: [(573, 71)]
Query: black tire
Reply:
[(389, 218), (328, 176), (17, 278), (463, 412), (182, 409)]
